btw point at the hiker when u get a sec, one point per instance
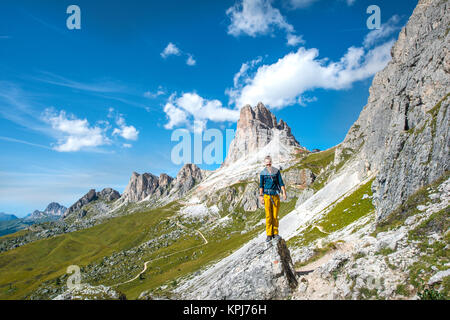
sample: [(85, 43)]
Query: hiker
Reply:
[(270, 185)]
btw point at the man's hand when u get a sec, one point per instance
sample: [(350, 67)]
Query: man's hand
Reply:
[(283, 193), (261, 199)]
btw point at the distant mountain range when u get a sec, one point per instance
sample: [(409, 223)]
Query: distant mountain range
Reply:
[(7, 217), (53, 211), (9, 223)]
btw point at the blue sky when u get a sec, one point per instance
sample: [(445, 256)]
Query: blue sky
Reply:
[(83, 109)]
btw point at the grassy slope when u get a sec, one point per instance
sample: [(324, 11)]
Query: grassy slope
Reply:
[(24, 268), (341, 214), (40, 263)]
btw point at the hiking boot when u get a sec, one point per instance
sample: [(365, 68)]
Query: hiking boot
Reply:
[(269, 238), (276, 237)]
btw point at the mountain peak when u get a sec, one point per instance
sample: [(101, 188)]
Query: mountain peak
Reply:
[(257, 127)]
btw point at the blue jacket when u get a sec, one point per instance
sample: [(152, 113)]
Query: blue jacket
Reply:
[(271, 183)]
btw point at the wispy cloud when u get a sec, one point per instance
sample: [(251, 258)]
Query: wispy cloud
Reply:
[(47, 25), (386, 30), (172, 50), (98, 87), (24, 142), (157, 93), (75, 134), (193, 111), (17, 106), (259, 17), (302, 71)]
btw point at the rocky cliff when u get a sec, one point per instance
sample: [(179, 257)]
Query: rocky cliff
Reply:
[(256, 128), (265, 271), (402, 134), (147, 186), (106, 194)]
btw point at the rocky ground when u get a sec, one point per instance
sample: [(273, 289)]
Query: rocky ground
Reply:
[(391, 264)]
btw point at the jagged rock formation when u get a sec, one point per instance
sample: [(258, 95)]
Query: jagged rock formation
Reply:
[(106, 194), (143, 185), (255, 129), (403, 132), (149, 187), (265, 271), (186, 179), (299, 177)]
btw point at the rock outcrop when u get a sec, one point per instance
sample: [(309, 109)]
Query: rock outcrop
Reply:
[(186, 179), (106, 194), (147, 186), (298, 177), (402, 134), (88, 292), (255, 129), (263, 271), (143, 185)]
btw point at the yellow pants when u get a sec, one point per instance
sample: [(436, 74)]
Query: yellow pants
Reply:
[(272, 214)]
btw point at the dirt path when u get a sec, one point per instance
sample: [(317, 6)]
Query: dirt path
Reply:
[(147, 262), (310, 267)]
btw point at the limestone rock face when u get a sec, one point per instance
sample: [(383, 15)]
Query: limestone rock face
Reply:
[(263, 271), (55, 209), (402, 134), (88, 197), (150, 187), (106, 194), (140, 186), (189, 175), (255, 129), (298, 177)]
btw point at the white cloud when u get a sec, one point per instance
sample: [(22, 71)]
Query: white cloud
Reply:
[(255, 17), (284, 82), (126, 132), (190, 61), (192, 110), (385, 31), (170, 50), (293, 40), (259, 17), (126, 145), (75, 134), (244, 68), (176, 116), (157, 93)]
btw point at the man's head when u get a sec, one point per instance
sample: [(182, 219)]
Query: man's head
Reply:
[(268, 161)]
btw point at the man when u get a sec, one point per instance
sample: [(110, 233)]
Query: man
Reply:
[(270, 184)]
